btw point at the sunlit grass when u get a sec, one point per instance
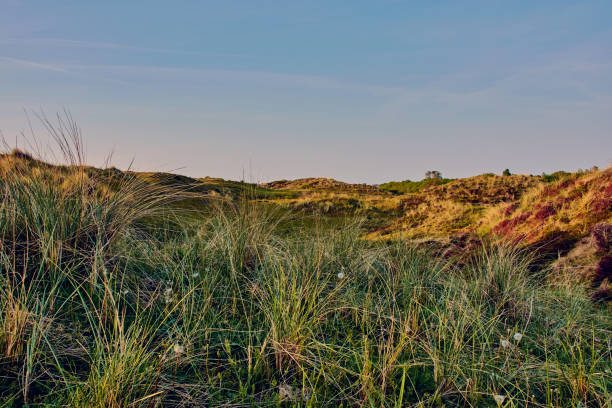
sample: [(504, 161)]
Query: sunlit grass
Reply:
[(109, 299)]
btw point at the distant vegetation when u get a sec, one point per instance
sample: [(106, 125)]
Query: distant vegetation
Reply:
[(408, 186), (123, 289), (556, 176)]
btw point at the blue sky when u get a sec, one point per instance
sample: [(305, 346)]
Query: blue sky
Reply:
[(362, 91)]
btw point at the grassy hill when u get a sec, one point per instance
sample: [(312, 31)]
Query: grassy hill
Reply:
[(318, 183), (566, 208), (550, 214), (452, 207), (125, 289), (529, 209), (189, 188)]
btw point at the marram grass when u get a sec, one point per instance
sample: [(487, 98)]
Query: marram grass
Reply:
[(109, 298)]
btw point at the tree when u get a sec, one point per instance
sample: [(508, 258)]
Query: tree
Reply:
[(506, 172), (433, 174)]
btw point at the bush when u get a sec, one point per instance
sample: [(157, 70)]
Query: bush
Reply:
[(556, 176)]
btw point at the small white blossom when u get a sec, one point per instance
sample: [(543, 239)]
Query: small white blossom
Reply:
[(178, 349), (168, 295), (195, 275), (518, 336), (499, 399), (286, 392), (340, 275), (125, 292), (505, 343)]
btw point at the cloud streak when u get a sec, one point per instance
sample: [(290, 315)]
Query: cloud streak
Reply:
[(142, 72), (35, 65), (67, 43)]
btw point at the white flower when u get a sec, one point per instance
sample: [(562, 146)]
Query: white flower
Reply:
[(178, 349), (286, 392), (518, 336), (195, 275), (499, 399), (340, 275), (125, 291), (505, 343), (168, 295)]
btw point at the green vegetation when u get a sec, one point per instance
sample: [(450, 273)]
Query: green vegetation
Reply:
[(113, 294), (556, 176), (407, 186)]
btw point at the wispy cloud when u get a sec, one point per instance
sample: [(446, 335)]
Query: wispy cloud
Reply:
[(234, 76), (571, 83), (55, 67), (123, 73), (68, 43), (32, 64)]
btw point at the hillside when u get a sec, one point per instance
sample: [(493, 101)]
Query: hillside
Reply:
[(319, 183), (566, 209), (456, 206), (112, 296), (555, 213), (188, 187), (529, 209), (571, 217)]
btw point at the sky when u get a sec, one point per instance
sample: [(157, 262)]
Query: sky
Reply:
[(361, 91)]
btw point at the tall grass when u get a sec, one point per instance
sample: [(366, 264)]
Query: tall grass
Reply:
[(105, 303)]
